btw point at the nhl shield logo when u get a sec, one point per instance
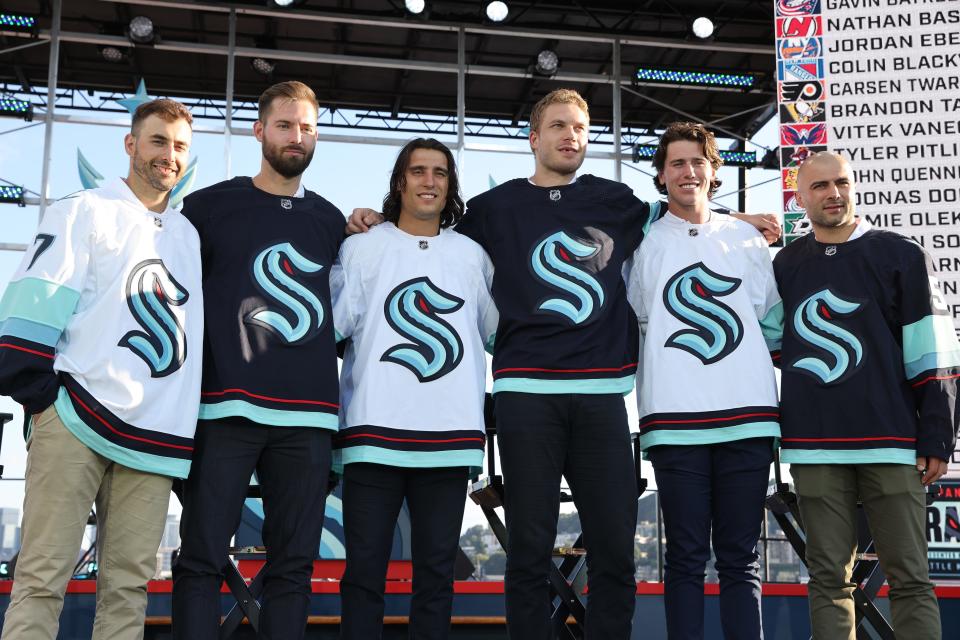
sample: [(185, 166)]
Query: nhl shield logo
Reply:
[(554, 194), (423, 244), (831, 250), (286, 204)]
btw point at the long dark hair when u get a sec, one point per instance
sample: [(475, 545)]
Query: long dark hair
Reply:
[(453, 207)]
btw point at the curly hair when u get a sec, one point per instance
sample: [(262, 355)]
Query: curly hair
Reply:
[(693, 132), (452, 208)]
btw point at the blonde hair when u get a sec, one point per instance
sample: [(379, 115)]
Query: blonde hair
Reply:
[(557, 96)]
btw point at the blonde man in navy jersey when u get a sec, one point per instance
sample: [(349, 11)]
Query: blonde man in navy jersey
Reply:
[(566, 353)]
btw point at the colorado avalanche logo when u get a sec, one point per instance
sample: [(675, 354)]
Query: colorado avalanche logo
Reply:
[(691, 297), (151, 294), (413, 309), (553, 261), (300, 316), (813, 322)]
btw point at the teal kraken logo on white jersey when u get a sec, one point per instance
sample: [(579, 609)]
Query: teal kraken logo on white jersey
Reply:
[(152, 292), (413, 309), (691, 295)]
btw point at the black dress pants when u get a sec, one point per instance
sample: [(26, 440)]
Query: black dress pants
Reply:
[(372, 497), (293, 468), (584, 438)]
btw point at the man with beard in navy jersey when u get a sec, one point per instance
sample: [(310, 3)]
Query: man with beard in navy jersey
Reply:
[(270, 392)]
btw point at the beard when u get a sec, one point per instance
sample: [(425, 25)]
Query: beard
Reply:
[(152, 176), (287, 166)]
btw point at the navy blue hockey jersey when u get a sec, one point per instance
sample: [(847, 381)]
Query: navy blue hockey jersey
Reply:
[(870, 358), (269, 350), (558, 253)]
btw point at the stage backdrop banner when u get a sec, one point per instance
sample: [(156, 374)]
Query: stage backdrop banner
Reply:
[(879, 82)]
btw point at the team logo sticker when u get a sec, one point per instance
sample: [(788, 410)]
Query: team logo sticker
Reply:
[(790, 48), (800, 70), (799, 27), (789, 179), (802, 112), (794, 156), (803, 134), (808, 91), (797, 7), (558, 261), (837, 352), (796, 224), (414, 309), (790, 204), (152, 292), (691, 296), (296, 314)]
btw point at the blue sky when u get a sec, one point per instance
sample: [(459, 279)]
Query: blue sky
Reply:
[(349, 175)]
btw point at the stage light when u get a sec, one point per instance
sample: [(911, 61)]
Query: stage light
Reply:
[(497, 11), (16, 108), (11, 195), (112, 54), (730, 158), (284, 4), (17, 22), (739, 81), (703, 27), (141, 30), (263, 66), (547, 62), (415, 6)]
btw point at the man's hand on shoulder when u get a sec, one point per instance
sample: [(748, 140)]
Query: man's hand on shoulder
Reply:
[(362, 219), (766, 223)]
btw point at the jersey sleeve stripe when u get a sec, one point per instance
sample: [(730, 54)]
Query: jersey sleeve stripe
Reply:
[(39, 301), (930, 344), (30, 330)]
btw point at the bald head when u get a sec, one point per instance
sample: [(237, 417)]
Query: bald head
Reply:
[(825, 189)]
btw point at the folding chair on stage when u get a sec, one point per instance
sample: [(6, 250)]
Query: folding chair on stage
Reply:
[(867, 574), (568, 578)]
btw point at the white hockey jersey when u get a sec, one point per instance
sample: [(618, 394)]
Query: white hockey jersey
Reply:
[(105, 317), (418, 312), (703, 294)]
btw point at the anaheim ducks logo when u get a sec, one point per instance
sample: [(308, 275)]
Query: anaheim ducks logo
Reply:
[(152, 292), (691, 297), (554, 262), (815, 323), (413, 309), (297, 314)]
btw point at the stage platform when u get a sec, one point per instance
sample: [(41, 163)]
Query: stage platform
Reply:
[(478, 611)]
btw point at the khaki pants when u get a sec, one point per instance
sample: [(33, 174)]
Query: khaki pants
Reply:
[(894, 502), (63, 479)]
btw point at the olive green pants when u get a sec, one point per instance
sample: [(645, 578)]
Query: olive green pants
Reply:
[(63, 479), (894, 503)]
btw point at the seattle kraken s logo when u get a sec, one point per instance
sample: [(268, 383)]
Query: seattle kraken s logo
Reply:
[(813, 323), (553, 262), (413, 309), (691, 297), (302, 313), (151, 292)]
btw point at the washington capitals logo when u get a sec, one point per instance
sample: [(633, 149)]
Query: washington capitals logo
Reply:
[(299, 315), (554, 262), (814, 323), (151, 294), (691, 297), (413, 309)]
